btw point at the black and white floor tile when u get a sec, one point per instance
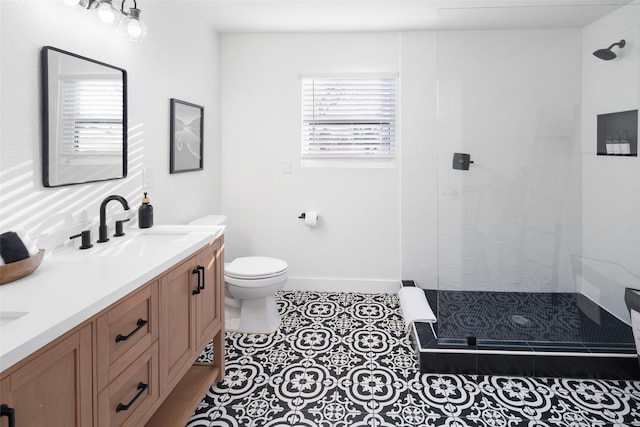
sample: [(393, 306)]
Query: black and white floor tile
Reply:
[(345, 360)]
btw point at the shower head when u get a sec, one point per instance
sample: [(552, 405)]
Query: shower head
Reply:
[(607, 54)]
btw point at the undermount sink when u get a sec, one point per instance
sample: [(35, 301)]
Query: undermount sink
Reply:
[(7, 317), (147, 241), (137, 244)]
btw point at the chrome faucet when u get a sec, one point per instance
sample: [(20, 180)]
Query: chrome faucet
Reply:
[(103, 230)]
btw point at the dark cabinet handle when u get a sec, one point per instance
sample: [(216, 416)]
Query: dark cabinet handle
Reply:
[(201, 268), (141, 388), (139, 325), (197, 290), (10, 413)]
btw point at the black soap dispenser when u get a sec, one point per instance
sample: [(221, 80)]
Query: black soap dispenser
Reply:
[(145, 213)]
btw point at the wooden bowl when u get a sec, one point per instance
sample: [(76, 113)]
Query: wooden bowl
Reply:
[(19, 269)]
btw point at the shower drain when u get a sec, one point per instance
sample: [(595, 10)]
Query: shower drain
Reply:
[(520, 320)]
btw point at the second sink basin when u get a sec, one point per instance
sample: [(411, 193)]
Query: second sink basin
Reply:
[(7, 317)]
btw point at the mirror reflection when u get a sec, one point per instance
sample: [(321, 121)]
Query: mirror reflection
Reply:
[(84, 119)]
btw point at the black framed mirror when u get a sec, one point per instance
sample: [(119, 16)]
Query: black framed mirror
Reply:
[(84, 119)]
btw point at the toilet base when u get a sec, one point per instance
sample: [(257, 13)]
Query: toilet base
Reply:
[(253, 316), (231, 314)]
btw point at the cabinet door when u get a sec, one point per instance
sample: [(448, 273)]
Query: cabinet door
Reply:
[(209, 304), (55, 388), (177, 320)]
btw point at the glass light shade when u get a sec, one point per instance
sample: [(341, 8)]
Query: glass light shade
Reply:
[(105, 12), (136, 29)]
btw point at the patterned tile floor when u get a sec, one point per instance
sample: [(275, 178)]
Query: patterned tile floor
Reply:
[(344, 360)]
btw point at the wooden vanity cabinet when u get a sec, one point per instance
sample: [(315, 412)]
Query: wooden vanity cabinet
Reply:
[(53, 387), (191, 316), (191, 312), (133, 363)]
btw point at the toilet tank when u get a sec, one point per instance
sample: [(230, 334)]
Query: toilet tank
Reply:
[(209, 220)]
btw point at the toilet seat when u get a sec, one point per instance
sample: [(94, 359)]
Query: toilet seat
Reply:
[(255, 268)]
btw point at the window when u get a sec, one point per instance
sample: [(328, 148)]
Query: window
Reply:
[(91, 119), (349, 118)]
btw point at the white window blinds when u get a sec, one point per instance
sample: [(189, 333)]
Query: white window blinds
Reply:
[(349, 118), (91, 118)]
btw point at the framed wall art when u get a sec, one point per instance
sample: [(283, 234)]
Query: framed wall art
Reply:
[(187, 127)]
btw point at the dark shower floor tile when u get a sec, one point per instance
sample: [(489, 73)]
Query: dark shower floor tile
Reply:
[(525, 316)]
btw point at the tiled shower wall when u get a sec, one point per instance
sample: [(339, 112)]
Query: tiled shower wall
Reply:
[(611, 200)]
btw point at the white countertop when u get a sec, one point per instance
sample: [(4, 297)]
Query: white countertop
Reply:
[(72, 285)]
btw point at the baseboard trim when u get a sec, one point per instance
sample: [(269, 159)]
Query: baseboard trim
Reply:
[(342, 285)]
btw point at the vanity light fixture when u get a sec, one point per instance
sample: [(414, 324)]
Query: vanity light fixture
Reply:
[(136, 29), (106, 12)]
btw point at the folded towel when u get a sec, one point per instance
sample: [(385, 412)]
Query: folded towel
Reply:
[(28, 242), (11, 247), (416, 308)]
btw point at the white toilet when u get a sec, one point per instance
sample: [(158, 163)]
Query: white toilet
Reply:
[(251, 284)]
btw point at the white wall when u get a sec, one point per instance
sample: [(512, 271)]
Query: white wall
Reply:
[(179, 58), (356, 245), (611, 199)]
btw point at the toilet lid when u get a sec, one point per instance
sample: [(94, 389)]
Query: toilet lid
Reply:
[(255, 267)]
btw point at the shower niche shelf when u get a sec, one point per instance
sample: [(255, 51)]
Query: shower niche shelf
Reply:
[(617, 134)]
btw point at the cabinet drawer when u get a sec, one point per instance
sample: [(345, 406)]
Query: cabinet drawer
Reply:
[(129, 396), (125, 332)]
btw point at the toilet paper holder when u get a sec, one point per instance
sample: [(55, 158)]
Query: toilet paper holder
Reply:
[(310, 218), (303, 215)]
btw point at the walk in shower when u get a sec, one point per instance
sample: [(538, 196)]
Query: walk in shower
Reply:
[(528, 258)]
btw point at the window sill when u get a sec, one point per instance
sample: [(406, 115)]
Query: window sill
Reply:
[(349, 163)]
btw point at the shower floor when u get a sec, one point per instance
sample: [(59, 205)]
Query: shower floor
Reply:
[(531, 334), (525, 316)]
